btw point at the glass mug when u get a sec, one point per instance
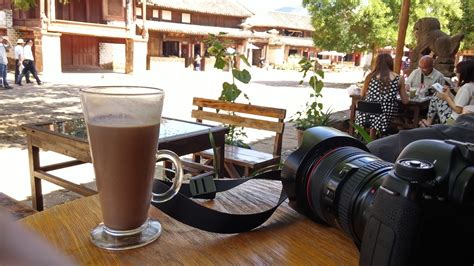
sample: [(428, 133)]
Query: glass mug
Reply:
[(123, 126)]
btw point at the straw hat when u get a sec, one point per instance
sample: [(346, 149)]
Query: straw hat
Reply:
[(20, 41)]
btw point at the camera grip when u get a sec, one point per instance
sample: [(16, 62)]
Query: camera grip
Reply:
[(390, 233)]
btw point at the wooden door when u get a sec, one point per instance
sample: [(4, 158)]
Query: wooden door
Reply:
[(79, 52)]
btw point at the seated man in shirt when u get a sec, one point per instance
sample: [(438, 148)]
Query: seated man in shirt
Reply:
[(422, 78)]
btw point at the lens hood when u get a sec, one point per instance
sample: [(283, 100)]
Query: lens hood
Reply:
[(317, 141)]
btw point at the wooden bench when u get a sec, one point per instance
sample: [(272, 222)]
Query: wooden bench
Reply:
[(247, 116), (17, 209)]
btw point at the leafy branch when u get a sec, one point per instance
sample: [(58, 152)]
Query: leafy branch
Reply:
[(226, 57), (313, 113)]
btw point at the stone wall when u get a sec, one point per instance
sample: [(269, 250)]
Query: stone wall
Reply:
[(51, 44), (112, 56)]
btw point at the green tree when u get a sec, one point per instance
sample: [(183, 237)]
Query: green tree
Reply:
[(464, 24), (24, 4), (27, 4), (364, 25)]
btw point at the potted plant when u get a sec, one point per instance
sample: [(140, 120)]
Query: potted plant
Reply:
[(313, 114), (225, 60)]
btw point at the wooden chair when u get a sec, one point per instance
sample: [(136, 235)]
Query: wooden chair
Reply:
[(242, 115), (370, 108)]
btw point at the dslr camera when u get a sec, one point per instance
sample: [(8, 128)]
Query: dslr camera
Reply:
[(418, 211)]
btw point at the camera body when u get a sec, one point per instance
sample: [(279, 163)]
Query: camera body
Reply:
[(418, 211)]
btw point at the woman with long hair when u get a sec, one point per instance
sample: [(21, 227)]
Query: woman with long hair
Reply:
[(465, 93), (382, 85)]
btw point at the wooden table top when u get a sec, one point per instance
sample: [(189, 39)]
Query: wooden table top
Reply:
[(286, 238)]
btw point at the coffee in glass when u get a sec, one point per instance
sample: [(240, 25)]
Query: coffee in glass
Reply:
[(123, 126)]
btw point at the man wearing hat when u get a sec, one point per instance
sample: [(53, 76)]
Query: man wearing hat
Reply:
[(4, 48), (29, 63), (19, 60)]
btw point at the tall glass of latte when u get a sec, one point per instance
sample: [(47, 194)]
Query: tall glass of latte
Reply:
[(123, 125)]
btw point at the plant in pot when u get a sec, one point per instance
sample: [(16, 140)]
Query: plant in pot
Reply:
[(226, 56), (313, 114)]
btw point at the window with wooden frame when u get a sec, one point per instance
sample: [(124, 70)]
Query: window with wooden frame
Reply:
[(155, 13), (139, 12), (113, 10), (186, 18), (166, 15)]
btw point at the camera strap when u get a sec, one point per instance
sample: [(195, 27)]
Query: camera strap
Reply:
[(182, 208)]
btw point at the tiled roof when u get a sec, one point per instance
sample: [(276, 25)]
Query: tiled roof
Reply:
[(280, 20), (293, 41), (194, 29), (216, 7)]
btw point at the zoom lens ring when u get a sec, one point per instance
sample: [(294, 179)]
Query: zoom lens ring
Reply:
[(317, 184), (350, 187)]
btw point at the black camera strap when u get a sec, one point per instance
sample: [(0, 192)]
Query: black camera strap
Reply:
[(182, 208)]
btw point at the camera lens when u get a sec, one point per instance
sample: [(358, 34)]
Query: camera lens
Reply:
[(341, 185)]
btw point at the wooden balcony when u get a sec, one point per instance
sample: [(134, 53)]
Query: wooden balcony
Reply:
[(27, 23), (90, 29)]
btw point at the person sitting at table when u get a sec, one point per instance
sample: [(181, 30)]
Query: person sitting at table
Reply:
[(382, 85), (422, 78), (388, 148), (445, 104)]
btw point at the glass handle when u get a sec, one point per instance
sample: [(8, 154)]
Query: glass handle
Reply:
[(177, 181)]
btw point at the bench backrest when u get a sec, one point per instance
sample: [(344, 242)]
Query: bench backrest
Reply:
[(218, 111)]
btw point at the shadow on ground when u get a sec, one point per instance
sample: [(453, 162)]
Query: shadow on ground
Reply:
[(30, 103)]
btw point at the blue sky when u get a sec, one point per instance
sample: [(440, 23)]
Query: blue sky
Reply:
[(266, 5)]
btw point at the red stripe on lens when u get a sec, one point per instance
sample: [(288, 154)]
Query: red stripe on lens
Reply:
[(313, 169)]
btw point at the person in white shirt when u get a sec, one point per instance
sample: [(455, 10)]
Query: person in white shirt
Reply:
[(28, 63), (4, 48), (422, 78), (19, 60), (465, 94)]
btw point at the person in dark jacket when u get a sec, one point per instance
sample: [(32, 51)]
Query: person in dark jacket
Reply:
[(388, 148)]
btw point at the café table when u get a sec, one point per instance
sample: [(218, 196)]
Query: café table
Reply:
[(287, 238), (413, 110), (69, 137)]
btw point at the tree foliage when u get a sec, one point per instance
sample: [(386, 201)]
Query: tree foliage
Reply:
[(361, 25), (24, 4), (27, 4)]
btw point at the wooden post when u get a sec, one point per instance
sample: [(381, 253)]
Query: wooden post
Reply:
[(88, 11), (42, 13), (402, 30), (52, 10), (144, 29), (128, 55)]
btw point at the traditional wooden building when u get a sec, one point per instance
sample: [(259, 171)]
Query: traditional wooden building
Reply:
[(135, 35), (177, 28), (83, 32), (280, 35)]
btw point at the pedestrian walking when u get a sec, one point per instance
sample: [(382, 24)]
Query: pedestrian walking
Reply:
[(19, 61), (28, 63), (4, 48)]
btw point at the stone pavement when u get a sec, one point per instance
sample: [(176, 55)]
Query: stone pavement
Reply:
[(58, 99)]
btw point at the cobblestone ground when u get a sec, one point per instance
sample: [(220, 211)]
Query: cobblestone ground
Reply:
[(58, 99)]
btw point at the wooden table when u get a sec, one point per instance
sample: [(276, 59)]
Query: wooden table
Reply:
[(286, 238), (70, 138), (415, 109)]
